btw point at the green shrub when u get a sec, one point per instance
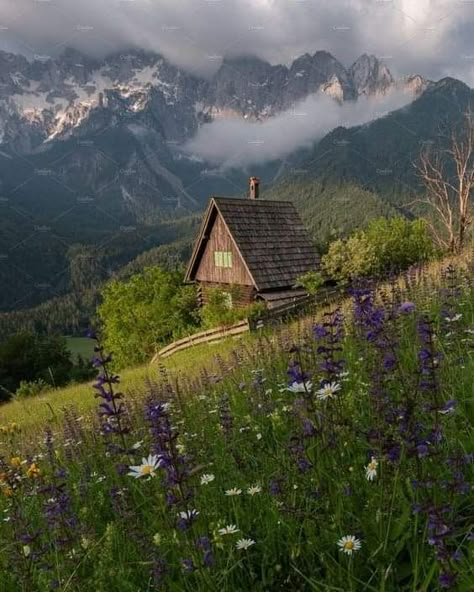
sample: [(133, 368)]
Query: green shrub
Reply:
[(219, 309), (388, 244), (311, 281), (350, 258), (146, 311), (31, 389)]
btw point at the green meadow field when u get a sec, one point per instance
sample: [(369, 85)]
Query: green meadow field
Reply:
[(331, 454)]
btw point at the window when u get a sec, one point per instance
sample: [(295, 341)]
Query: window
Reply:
[(223, 258)]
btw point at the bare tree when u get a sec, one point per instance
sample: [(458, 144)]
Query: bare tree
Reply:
[(448, 177)]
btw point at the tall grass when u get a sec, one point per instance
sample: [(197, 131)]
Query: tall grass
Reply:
[(332, 458)]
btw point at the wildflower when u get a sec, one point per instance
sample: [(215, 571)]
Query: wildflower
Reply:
[(207, 478), (85, 542), (15, 461), (187, 518), (406, 307), (300, 387), (188, 565), (349, 544), (453, 319), (447, 580), (244, 544), (254, 489), (33, 471), (147, 468), (229, 529), (448, 407), (157, 539), (7, 491), (26, 550), (276, 486), (188, 514), (371, 469), (259, 436), (203, 544), (233, 491), (328, 391)]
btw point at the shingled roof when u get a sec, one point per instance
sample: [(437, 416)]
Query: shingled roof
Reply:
[(270, 236)]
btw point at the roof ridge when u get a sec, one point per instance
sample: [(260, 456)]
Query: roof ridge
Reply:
[(253, 201)]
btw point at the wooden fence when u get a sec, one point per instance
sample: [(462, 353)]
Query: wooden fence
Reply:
[(210, 336), (271, 317), (298, 307)]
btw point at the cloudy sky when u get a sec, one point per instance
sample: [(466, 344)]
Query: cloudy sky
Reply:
[(431, 37)]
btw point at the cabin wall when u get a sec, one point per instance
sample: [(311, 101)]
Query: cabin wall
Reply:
[(220, 240), (241, 295)]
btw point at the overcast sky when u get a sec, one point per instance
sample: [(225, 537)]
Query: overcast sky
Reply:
[(431, 37)]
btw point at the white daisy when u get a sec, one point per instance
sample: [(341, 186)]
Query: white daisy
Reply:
[(254, 489), (454, 319), (349, 544), (300, 387), (147, 468), (229, 529), (188, 514), (244, 544), (328, 391), (371, 469), (207, 478), (233, 491)]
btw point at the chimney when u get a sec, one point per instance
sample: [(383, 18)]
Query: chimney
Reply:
[(254, 183)]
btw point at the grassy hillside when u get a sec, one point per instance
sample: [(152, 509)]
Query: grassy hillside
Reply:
[(341, 463)]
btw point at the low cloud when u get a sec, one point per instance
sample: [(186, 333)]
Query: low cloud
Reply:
[(233, 142)]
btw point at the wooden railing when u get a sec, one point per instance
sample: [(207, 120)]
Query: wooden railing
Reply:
[(209, 336), (300, 306)]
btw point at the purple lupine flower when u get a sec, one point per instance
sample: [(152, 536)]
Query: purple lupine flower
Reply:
[(175, 465), (225, 416), (297, 450), (158, 572), (203, 544), (275, 486), (329, 336), (188, 565), (406, 307), (447, 580), (113, 414)]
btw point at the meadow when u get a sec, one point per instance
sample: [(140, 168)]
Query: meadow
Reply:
[(334, 455)]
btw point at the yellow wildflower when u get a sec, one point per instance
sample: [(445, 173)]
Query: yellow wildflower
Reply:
[(7, 491), (33, 471)]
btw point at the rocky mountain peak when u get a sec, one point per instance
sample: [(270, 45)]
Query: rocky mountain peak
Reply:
[(50, 98), (370, 76)]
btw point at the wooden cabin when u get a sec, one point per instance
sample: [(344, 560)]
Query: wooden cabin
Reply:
[(252, 249)]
